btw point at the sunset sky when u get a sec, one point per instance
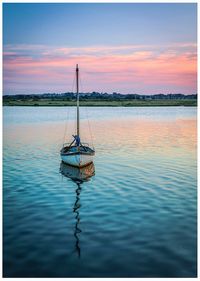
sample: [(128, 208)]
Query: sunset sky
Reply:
[(126, 48)]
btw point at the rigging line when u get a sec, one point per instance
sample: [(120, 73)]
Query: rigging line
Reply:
[(91, 136), (89, 126), (66, 123)]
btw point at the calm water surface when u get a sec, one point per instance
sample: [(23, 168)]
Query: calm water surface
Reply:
[(131, 214)]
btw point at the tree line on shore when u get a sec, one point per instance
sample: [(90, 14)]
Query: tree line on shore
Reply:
[(98, 96)]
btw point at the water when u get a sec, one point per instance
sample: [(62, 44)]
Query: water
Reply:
[(133, 215)]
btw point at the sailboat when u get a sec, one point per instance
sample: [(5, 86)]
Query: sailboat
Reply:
[(77, 153)]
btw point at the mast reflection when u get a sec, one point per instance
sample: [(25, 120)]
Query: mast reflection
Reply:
[(79, 176)]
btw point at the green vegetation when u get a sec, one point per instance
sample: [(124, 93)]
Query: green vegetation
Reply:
[(97, 102)]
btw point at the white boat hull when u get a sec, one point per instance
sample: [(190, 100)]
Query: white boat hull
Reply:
[(77, 160)]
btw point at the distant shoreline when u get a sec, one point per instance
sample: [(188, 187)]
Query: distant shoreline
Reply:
[(102, 103)]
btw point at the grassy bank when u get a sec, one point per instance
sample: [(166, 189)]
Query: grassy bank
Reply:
[(48, 102)]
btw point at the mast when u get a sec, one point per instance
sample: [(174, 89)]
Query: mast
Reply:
[(77, 92)]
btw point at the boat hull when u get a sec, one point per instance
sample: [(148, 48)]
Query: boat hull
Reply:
[(77, 160)]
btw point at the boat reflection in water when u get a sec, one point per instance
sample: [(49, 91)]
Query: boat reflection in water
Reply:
[(79, 176)]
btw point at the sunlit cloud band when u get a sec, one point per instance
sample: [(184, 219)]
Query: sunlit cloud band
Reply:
[(141, 69)]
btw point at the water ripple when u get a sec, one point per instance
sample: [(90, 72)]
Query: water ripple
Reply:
[(133, 214)]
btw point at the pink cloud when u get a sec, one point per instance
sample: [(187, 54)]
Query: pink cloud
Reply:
[(133, 69)]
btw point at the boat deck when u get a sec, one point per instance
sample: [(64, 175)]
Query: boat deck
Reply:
[(70, 150)]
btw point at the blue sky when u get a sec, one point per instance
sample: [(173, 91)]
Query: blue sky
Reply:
[(86, 24), (47, 28)]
